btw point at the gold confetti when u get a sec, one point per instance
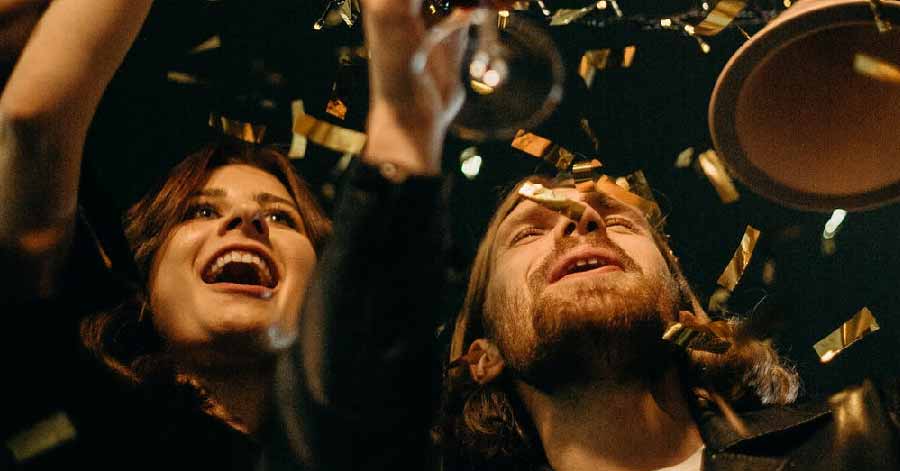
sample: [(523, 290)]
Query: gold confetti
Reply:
[(721, 16), (183, 78), (769, 272), (551, 200), (543, 148), (329, 136), (531, 144), (585, 174), (214, 42), (876, 68), (43, 436), (882, 24), (336, 108), (740, 260), (715, 171), (685, 158), (565, 16), (861, 324), (708, 337), (602, 59), (298, 142), (247, 132), (621, 189)]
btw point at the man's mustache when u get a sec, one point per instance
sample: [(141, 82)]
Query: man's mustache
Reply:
[(564, 245)]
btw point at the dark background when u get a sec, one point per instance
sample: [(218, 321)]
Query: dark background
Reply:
[(643, 116)]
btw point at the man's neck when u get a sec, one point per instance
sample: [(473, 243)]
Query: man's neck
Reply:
[(614, 426), (240, 394)]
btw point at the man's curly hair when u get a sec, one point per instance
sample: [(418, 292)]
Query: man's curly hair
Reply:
[(486, 427)]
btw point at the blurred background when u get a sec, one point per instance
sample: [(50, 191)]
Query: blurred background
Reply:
[(250, 60)]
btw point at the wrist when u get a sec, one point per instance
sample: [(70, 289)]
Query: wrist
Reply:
[(415, 146)]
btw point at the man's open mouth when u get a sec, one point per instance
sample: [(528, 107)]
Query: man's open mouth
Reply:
[(241, 267), (585, 262)]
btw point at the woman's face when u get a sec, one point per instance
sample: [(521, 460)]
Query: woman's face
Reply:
[(236, 265)]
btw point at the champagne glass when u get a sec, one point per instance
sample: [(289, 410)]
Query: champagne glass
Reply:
[(512, 72)]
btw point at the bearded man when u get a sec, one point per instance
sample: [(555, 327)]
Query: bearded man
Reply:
[(564, 366)]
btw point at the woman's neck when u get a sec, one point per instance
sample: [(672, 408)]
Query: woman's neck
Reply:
[(239, 393)]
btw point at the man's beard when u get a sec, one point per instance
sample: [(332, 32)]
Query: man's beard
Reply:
[(605, 328)]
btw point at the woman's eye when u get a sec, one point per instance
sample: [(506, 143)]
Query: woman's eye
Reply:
[(202, 211), (282, 217)]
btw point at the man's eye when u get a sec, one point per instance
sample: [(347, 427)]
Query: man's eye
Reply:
[(201, 211), (619, 222), (526, 235)]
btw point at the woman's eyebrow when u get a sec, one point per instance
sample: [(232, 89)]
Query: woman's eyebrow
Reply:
[(263, 198), (210, 192)]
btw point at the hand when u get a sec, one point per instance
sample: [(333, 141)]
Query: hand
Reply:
[(410, 110)]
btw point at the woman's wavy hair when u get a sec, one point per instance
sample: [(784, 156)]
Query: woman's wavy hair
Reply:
[(486, 427), (124, 338)]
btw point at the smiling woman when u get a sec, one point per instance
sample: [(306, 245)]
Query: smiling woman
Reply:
[(227, 245)]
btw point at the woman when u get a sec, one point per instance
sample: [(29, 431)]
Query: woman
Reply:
[(226, 246)]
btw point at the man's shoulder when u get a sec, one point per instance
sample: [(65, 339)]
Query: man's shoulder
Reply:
[(856, 428)]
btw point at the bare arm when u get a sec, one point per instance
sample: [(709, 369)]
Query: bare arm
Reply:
[(45, 109)]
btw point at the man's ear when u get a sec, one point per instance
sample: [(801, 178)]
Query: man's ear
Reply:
[(485, 363)]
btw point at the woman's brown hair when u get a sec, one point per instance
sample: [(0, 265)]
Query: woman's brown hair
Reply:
[(487, 427), (124, 338)]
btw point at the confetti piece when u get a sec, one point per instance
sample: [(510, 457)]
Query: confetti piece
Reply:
[(740, 260), (565, 16), (329, 136), (247, 132), (551, 200), (709, 337), (875, 68), (721, 16), (685, 158), (41, 437), (602, 59), (861, 324), (715, 171), (183, 78), (298, 142), (543, 148), (214, 42)]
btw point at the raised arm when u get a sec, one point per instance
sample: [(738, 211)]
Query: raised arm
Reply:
[(357, 391), (46, 107)]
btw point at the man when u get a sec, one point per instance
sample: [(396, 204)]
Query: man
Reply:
[(564, 365), (560, 331)]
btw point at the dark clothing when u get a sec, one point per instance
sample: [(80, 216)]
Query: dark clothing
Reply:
[(358, 393), (856, 429)]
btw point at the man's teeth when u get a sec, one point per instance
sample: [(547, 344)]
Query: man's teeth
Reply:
[(585, 264)]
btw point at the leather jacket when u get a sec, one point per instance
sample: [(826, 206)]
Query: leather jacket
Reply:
[(855, 429)]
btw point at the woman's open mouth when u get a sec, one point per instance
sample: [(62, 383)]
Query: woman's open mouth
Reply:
[(241, 267)]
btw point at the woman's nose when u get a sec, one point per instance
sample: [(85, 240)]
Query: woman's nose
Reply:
[(251, 221)]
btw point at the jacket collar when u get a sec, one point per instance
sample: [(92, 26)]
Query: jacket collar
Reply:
[(719, 436)]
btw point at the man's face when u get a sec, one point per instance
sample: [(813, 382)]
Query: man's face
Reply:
[(564, 293), (236, 265)]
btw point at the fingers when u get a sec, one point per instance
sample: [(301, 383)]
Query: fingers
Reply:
[(394, 31)]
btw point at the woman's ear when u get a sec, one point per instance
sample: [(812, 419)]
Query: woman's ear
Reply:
[(485, 363)]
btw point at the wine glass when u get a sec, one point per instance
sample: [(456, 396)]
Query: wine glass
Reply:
[(512, 72)]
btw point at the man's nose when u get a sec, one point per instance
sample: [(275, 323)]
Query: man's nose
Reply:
[(249, 220), (590, 221)]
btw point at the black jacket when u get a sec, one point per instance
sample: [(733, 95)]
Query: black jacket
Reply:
[(856, 429)]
